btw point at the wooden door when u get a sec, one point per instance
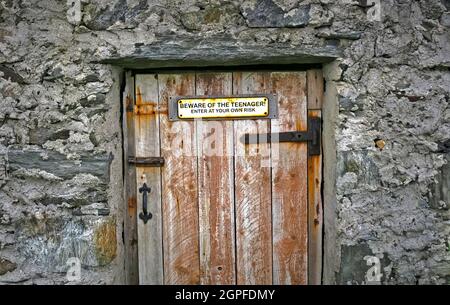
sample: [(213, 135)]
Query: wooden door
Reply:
[(224, 212)]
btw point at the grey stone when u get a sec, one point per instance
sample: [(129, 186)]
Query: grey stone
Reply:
[(432, 8), (53, 73), (266, 13), (440, 192), (219, 51), (89, 79), (446, 3), (192, 20), (6, 266), (100, 18), (444, 147), (445, 19), (94, 112), (11, 75), (84, 197), (338, 35), (58, 164), (213, 15), (346, 103), (44, 134), (361, 163), (94, 100), (49, 242), (96, 209)]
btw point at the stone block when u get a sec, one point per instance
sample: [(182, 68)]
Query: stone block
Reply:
[(58, 164), (267, 14), (6, 266), (49, 242)]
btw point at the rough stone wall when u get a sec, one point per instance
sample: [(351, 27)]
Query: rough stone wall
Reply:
[(60, 137), (60, 150)]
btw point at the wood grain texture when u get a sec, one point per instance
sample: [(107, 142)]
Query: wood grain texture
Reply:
[(147, 145), (289, 178), (253, 190), (216, 187), (179, 186), (315, 88), (254, 219), (130, 222), (315, 215)]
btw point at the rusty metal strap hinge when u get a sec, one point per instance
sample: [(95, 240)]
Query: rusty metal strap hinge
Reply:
[(147, 161), (312, 136)]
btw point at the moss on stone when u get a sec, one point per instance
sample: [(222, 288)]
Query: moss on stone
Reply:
[(106, 242), (212, 15), (352, 166)]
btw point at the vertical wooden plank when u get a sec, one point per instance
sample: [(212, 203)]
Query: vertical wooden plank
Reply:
[(315, 215), (253, 190), (179, 186), (148, 145), (216, 187), (130, 222), (289, 182), (315, 88)]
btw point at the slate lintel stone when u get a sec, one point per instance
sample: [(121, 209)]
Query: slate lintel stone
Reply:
[(58, 164), (223, 50)]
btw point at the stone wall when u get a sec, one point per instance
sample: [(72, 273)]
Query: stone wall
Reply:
[(60, 137)]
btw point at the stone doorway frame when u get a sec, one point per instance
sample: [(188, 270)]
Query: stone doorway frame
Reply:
[(168, 58)]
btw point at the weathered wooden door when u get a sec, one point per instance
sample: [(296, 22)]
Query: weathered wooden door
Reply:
[(224, 212)]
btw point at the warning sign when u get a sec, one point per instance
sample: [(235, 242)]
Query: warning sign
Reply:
[(222, 107)]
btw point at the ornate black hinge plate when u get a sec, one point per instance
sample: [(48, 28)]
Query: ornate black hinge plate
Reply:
[(312, 136)]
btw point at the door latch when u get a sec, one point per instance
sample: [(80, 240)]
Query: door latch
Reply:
[(312, 136), (146, 161), (145, 215)]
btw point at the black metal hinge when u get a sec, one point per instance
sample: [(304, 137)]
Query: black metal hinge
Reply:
[(312, 136), (365, 3), (147, 161)]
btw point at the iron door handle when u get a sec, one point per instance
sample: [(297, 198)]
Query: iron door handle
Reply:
[(145, 215)]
